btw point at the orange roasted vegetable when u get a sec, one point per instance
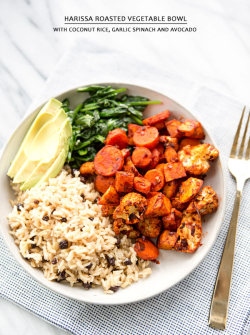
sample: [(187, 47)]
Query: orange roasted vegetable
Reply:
[(131, 130), (156, 119), (195, 159), (189, 233), (206, 202), (110, 197), (174, 171), (171, 188), (120, 227), (167, 240), (150, 227), (130, 167), (176, 203), (124, 181), (169, 141), (160, 148), (189, 141), (189, 189), (117, 137), (172, 127), (160, 125), (156, 179), (160, 167), (87, 168), (132, 208), (152, 194), (146, 137), (170, 155), (107, 210), (146, 250), (158, 205), (103, 183), (142, 185), (108, 160), (125, 153), (191, 128), (172, 220), (155, 158), (141, 157)]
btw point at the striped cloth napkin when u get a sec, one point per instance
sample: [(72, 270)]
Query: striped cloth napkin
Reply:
[(183, 309)]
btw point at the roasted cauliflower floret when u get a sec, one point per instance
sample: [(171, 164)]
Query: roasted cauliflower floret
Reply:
[(150, 227), (189, 233), (206, 202), (131, 209), (107, 210), (195, 158), (120, 227)]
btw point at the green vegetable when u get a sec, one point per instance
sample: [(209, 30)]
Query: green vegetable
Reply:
[(104, 110)]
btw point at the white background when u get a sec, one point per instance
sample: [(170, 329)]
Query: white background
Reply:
[(217, 55)]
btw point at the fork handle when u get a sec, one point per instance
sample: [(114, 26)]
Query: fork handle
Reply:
[(219, 304)]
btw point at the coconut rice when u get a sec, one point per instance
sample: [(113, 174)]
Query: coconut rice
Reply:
[(59, 228)]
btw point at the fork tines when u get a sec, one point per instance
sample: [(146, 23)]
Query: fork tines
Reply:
[(233, 153)]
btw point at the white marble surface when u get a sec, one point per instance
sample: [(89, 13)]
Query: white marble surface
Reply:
[(217, 55)]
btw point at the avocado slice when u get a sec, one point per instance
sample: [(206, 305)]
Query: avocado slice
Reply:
[(48, 111), (55, 168), (43, 169), (44, 146)]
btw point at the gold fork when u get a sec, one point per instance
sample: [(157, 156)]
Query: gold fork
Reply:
[(239, 166)]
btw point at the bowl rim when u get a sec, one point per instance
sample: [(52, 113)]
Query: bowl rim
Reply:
[(27, 267)]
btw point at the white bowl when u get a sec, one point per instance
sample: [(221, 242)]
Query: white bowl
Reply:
[(174, 266)]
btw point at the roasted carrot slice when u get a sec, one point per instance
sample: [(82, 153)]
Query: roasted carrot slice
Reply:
[(142, 185), (155, 119), (156, 178), (172, 127), (191, 128), (155, 158), (131, 130), (170, 188), (158, 205), (110, 197), (103, 183), (170, 155), (141, 157), (124, 181), (174, 171), (190, 188), (189, 141), (108, 160), (146, 250), (146, 137), (87, 168), (117, 137), (167, 240)]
